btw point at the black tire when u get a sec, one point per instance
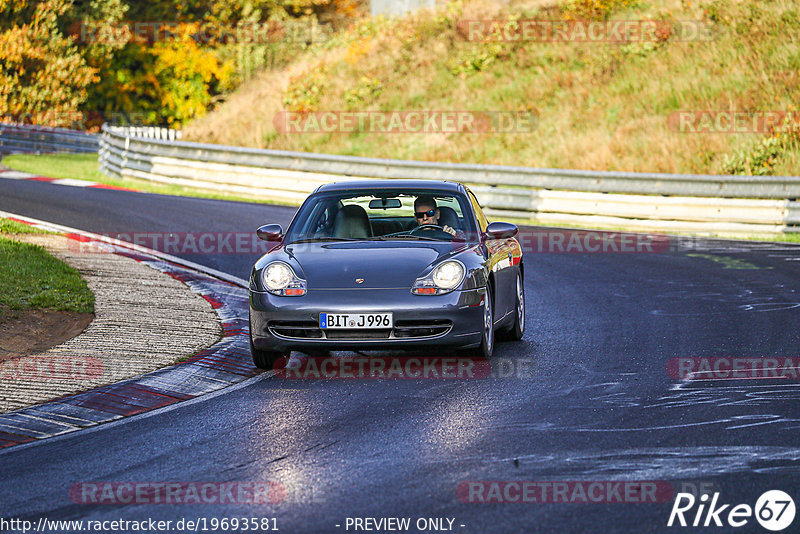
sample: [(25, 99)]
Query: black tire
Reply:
[(265, 359), (486, 348), (517, 330)]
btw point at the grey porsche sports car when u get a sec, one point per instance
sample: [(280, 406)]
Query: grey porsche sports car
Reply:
[(387, 264)]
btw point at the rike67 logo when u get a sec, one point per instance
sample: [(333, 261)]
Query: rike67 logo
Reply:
[(774, 511)]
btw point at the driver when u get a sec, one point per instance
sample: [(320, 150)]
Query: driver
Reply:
[(426, 212)]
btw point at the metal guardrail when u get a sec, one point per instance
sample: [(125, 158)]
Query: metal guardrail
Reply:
[(27, 138), (716, 186), (637, 201)]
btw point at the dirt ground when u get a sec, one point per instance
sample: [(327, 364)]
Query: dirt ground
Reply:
[(23, 333)]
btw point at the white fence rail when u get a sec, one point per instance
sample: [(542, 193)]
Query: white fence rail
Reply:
[(644, 201)]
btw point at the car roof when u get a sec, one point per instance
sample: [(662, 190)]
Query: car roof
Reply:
[(371, 185)]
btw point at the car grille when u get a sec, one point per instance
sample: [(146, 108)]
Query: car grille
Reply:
[(408, 329), (358, 334)]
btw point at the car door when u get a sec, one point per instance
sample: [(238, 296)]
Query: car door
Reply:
[(501, 262)]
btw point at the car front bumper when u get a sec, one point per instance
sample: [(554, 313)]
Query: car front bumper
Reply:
[(292, 323)]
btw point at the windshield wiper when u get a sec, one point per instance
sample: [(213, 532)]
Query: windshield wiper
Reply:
[(405, 236), (313, 239)]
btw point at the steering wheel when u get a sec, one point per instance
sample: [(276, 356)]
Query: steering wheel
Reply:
[(426, 227), (439, 232)]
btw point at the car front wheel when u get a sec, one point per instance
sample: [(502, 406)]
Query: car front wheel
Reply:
[(265, 359), (485, 349), (517, 330)]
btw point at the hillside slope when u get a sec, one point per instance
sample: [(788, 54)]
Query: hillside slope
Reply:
[(597, 105)]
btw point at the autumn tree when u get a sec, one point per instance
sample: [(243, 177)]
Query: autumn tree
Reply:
[(73, 63), (44, 74)]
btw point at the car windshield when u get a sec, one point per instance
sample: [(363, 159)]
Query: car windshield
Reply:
[(383, 215)]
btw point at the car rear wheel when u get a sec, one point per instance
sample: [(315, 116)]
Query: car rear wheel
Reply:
[(485, 349), (265, 359), (517, 330)]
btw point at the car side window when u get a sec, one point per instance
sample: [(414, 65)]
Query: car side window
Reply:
[(482, 222), (319, 222)]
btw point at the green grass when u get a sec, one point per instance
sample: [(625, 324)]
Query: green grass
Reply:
[(31, 278), (7, 226), (782, 238), (77, 166), (85, 167)]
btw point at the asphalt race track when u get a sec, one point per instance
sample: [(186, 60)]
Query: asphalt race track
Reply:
[(596, 402)]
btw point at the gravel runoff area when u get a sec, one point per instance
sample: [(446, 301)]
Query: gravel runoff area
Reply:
[(144, 320)]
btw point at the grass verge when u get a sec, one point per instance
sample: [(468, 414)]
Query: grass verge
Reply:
[(33, 279), (7, 226)]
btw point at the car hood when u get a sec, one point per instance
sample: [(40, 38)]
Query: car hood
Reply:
[(380, 264)]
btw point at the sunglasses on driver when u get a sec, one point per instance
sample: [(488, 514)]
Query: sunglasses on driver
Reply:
[(423, 214)]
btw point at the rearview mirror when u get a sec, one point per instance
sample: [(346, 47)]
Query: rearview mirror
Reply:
[(384, 203), (501, 230), (270, 232)]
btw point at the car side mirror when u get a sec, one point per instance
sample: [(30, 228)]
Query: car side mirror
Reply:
[(270, 232), (501, 230)]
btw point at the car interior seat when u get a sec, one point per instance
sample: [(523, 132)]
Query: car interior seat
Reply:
[(449, 217), (351, 222)]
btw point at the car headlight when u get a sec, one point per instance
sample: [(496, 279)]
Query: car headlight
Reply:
[(448, 275), (280, 279), (444, 278)]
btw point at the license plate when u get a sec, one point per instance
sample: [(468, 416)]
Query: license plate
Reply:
[(330, 321)]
